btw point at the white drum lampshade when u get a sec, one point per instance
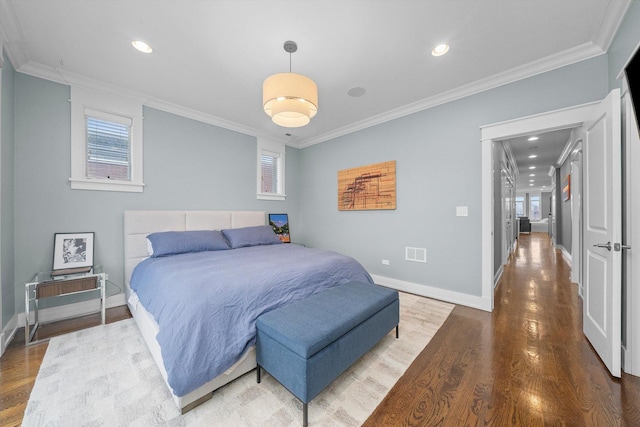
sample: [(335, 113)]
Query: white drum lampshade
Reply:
[(290, 99)]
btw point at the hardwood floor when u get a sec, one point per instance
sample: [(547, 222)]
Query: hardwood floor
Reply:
[(525, 364), (19, 365)]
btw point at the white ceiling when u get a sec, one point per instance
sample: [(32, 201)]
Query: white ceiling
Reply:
[(547, 149), (211, 57)]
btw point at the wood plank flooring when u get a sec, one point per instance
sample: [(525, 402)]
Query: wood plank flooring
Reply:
[(525, 364)]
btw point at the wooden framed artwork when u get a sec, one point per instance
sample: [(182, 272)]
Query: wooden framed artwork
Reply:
[(566, 188), (72, 252), (371, 187)]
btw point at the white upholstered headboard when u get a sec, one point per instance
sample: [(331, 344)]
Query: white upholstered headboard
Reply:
[(139, 224)]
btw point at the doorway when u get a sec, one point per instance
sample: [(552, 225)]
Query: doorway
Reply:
[(555, 120), (559, 119)]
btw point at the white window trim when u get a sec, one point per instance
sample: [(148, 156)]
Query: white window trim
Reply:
[(268, 146), (88, 101)]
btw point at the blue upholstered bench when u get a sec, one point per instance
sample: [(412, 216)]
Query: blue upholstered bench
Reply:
[(309, 343)]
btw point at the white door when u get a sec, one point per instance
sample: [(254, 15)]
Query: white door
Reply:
[(602, 232)]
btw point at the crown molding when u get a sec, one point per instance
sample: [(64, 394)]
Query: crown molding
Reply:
[(612, 15), (579, 53), (71, 79), (610, 20), (212, 120), (571, 56), (12, 35)]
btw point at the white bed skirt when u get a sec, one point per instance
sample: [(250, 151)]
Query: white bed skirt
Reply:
[(149, 329), (139, 224)]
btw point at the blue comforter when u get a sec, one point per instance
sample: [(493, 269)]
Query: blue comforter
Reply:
[(206, 304)]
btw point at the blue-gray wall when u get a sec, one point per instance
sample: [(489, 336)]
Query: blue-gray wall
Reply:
[(563, 211), (625, 42), (187, 165), (190, 165), (438, 168), (6, 194)]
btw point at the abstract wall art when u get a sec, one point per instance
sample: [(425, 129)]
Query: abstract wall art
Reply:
[(371, 187)]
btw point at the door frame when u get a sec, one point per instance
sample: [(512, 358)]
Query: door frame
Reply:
[(490, 134), (576, 215)]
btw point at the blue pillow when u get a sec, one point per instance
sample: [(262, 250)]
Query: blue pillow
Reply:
[(181, 242), (251, 236)]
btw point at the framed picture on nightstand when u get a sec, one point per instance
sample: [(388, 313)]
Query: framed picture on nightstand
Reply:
[(72, 253), (280, 224)]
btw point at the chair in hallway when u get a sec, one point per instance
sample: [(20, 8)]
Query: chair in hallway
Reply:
[(525, 224)]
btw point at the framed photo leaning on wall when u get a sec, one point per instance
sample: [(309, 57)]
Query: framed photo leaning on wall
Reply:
[(280, 225), (72, 252)]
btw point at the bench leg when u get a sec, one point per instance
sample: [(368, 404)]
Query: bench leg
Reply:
[(397, 333), (305, 418), (258, 371)]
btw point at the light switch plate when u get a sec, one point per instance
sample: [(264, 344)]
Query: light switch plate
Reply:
[(462, 211)]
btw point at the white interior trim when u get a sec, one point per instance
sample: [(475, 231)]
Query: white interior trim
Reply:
[(571, 56), (631, 349), (553, 120), (453, 297)]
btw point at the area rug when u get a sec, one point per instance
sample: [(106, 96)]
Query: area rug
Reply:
[(105, 376)]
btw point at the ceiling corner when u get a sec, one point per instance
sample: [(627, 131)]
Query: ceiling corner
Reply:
[(11, 35), (612, 15)]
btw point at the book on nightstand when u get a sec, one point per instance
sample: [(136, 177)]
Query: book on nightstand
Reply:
[(70, 271)]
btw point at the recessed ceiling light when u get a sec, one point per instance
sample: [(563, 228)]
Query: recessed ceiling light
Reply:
[(532, 180), (440, 50), (532, 167), (142, 46), (530, 185), (532, 174), (533, 138), (533, 156)]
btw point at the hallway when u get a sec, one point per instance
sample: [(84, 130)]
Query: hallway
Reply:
[(527, 363)]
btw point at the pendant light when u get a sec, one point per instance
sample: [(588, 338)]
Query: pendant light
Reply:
[(290, 99)]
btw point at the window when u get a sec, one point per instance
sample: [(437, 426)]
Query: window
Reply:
[(271, 176), (106, 142), (270, 165), (108, 149), (519, 206), (535, 207)]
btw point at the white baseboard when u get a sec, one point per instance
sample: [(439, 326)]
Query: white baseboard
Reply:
[(626, 360), (459, 298), (7, 333), (77, 309), (497, 277), (565, 254)]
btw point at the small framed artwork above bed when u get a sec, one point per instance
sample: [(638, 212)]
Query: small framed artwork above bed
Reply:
[(280, 224)]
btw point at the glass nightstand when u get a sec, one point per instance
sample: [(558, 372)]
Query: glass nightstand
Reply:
[(44, 285)]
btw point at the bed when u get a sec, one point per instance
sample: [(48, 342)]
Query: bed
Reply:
[(244, 281), (541, 226)]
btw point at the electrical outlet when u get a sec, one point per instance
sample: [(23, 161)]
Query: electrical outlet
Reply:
[(385, 262)]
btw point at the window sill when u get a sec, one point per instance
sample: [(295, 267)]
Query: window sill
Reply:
[(271, 196), (106, 185)]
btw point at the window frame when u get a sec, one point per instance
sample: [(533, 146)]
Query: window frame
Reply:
[(274, 149), (538, 201), (101, 105)]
